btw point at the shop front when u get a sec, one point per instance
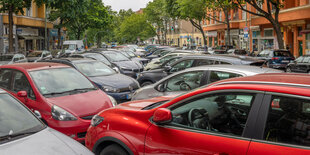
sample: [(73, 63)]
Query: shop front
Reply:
[(212, 38), (263, 40), (29, 39)]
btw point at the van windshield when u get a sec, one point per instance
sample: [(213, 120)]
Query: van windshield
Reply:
[(70, 47)]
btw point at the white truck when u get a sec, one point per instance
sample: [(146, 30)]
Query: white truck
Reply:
[(73, 46)]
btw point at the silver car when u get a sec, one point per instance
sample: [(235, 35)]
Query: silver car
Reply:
[(22, 133), (193, 78)]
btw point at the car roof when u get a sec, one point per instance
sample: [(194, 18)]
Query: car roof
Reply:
[(286, 79), (76, 60), (35, 66), (222, 57), (246, 69)]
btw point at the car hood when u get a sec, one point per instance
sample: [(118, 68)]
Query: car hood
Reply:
[(140, 104), (160, 70), (47, 142), (115, 80), (129, 64), (84, 104)]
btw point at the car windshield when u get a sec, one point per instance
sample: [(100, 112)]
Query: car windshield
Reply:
[(59, 81), (282, 54), (265, 53), (15, 119), (98, 57), (126, 54), (94, 68), (6, 58), (116, 57), (131, 54), (69, 47)]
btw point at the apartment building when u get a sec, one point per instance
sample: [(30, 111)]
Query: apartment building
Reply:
[(294, 19), (28, 30)]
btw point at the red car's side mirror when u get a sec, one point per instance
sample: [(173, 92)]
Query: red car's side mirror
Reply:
[(162, 115), (22, 94)]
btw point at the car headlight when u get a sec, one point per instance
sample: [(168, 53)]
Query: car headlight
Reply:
[(110, 89), (61, 114), (96, 120), (113, 101)]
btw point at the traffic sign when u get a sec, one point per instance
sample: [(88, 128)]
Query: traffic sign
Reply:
[(246, 35), (245, 29)]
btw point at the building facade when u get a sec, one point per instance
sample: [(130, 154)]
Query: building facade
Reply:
[(256, 33), (28, 30)]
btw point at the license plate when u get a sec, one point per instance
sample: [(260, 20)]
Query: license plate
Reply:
[(128, 96), (285, 61)]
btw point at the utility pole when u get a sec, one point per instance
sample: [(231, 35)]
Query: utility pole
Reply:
[(1, 35), (45, 35)]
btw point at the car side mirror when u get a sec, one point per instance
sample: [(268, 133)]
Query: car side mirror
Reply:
[(116, 69), (162, 116), (22, 94)]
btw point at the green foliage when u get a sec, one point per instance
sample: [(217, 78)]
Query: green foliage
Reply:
[(133, 27), (192, 9)]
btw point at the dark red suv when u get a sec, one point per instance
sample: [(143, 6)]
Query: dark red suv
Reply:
[(60, 95), (263, 114)]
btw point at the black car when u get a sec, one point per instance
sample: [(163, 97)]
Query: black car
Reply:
[(119, 86), (160, 52), (123, 64), (300, 65), (277, 59), (95, 56), (131, 55), (152, 76)]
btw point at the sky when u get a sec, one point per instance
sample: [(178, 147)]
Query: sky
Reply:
[(135, 5)]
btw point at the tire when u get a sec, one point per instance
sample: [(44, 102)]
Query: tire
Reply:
[(146, 83), (113, 149), (288, 70)]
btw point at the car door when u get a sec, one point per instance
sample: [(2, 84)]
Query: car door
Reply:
[(214, 123), (303, 66), (283, 126), (180, 83), (295, 65)]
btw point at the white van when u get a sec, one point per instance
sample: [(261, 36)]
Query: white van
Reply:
[(73, 46)]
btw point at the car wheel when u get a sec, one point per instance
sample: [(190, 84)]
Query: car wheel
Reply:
[(113, 149), (146, 83), (288, 70)]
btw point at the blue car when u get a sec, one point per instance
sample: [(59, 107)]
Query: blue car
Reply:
[(277, 59), (119, 86)]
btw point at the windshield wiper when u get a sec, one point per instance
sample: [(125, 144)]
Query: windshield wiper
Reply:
[(70, 91), (11, 136)]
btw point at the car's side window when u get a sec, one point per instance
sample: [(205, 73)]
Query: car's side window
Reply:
[(5, 78), (224, 113), (300, 59), (306, 60), (21, 83), (184, 82), (182, 65), (218, 75), (225, 63), (288, 121), (205, 62)]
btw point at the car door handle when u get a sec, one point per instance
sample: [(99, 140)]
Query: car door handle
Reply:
[(223, 153)]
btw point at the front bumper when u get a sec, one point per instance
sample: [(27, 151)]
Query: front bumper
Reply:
[(74, 129), (122, 95)]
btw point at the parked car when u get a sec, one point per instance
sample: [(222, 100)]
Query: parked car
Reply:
[(262, 114), (21, 132), (300, 65), (277, 59), (238, 52), (73, 46), (134, 57), (38, 55), (65, 99), (95, 56), (152, 76), (12, 58), (223, 49), (157, 63), (119, 86), (122, 63), (193, 78), (160, 52)]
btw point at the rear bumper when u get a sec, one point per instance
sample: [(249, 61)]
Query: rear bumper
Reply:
[(278, 66)]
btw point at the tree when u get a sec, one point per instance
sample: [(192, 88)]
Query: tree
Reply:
[(191, 10), (134, 27), (15, 6), (271, 14)]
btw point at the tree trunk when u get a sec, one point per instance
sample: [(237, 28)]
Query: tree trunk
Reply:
[(228, 26), (59, 35), (277, 28), (98, 41), (11, 22), (158, 37), (199, 27)]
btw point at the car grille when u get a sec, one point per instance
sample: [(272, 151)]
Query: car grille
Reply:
[(88, 117), (81, 134), (133, 88), (137, 70)]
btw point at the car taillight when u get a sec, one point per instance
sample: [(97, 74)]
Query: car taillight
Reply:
[(274, 58)]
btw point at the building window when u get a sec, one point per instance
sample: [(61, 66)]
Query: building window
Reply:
[(268, 33), (220, 16), (308, 41), (236, 14), (299, 31), (256, 34), (244, 13)]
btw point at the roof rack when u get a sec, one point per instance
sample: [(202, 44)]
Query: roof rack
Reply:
[(262, 82)]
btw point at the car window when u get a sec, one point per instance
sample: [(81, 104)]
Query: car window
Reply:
[(21, 83), (265, 53), (171, 61), (288, 121), (205, 62), (241, 52), (166, 58), (184, 82), (5, 78), (218, 75), (116, 57), (182, 65), (282, 54), (94, 69), (306, 60), (299, 59), (224, 113), (99, 57)]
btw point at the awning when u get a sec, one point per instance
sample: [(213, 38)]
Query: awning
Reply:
[(305, 31), (31, 37)]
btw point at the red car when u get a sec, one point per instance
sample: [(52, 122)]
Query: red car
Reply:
[(235, 116), (64, 98)]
